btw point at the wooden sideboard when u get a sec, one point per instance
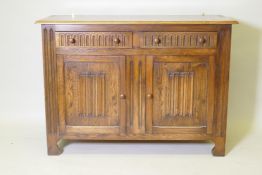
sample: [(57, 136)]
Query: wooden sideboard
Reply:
[(136, 78)]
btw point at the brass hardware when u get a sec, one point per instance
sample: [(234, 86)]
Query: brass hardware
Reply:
[(202, 40), (117, 40), (157, 40), (72, 40), (122, 96), (149, 95)]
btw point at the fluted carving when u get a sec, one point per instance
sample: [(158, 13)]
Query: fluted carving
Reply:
[(94, 39), (178, 40), (51, 99), (180, 96), (92, 95), (50, 80), (136, 94)]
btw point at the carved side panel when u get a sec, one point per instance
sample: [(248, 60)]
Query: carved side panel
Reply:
[(94, 39), (51, 103), (178, 40)]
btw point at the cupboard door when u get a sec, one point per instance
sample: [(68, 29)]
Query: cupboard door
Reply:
[(92, 94), (180, 91)]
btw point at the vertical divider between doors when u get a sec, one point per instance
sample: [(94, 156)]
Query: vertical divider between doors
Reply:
[(122, 66), (135, 83), (142, 92), (149, 90), (129, 91)]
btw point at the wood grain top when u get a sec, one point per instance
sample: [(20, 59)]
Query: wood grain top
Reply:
[(137, 19)]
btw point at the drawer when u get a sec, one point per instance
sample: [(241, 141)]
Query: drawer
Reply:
[(94, 39), (177, 39)]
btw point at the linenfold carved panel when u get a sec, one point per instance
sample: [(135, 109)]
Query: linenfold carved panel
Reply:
[(94, 39), (180, 94), (92, 93), (178, 39)]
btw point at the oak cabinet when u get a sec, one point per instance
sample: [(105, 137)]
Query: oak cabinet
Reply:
[(136, 80)]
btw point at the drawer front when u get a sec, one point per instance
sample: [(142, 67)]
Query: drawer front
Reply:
[(178, 40), (94, 39)]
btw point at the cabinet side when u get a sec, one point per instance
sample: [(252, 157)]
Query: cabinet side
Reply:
[(222, 86), (51, 100)]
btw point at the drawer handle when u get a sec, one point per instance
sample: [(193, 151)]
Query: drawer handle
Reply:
[(122, 96), (72, 40), (202, 40), (116, 40), (157, 40), (149, 95)]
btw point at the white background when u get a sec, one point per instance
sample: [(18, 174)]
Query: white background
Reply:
[(22, 91), (21, 72)]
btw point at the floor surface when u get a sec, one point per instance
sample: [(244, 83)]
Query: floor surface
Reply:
[(23, 152)]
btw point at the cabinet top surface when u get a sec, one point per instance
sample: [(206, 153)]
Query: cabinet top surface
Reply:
[(137, 19)]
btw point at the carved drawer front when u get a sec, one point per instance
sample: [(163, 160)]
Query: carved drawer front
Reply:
[(94, 39), (91, 88), (178, 39), (183, 92)]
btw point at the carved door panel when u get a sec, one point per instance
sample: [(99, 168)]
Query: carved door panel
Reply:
[(91, 94), (180, 91)]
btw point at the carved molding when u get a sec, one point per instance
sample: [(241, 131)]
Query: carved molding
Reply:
[(50, 79), (178, 40), (131, 93), (140, 96), (94, 39), (136, 94)]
